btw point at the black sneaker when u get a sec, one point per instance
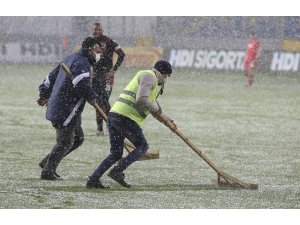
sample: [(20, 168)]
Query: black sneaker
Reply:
[(48, 176), (119, 177), (43, 162), (94, 182), (42, 165)]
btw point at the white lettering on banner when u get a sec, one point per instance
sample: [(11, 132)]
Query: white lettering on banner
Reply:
[(199, 61), (183, 58), (29, 52), (231, 59), (285, 61), (221, 61), (204, 59), (211, 59)]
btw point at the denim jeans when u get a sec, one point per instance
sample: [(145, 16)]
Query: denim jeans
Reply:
[(121, 127)]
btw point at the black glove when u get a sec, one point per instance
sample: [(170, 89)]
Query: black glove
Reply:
[(42, 101)]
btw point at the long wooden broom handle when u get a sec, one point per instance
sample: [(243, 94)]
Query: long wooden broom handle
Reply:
[(162, 118), (230, 179), (95, 105)]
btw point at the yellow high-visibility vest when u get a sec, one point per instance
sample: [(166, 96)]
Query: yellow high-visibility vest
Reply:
[(126, 103)]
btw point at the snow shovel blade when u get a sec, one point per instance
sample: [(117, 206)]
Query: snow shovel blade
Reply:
[(224, 183), (150, 155), (147, 156)]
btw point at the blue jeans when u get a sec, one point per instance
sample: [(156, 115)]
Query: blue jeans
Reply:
[(121, 127)]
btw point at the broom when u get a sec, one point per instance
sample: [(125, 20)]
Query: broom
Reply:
[(223, 178), (127, 144)]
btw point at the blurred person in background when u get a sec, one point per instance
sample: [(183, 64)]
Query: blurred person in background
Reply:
[(252, 54), (108, 48), (65, 99), (99, 82), (125, 119)]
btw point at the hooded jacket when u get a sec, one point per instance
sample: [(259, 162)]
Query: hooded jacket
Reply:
[(67, 97)]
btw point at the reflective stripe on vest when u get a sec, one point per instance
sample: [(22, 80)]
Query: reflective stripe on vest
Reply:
[(135, 106), (126, 103), (132, 94)]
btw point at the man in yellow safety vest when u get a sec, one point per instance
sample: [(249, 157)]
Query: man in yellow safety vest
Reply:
[(125, 119)]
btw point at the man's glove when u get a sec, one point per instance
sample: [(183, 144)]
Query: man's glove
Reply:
[(42, 101), (160, 116)]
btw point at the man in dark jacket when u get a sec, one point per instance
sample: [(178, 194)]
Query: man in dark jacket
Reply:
[(108, 48), (65, 98)]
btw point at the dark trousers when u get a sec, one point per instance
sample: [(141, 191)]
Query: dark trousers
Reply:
[(121, 127), (67, 139)]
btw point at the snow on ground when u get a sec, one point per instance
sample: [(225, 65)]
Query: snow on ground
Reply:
[(252, 134)]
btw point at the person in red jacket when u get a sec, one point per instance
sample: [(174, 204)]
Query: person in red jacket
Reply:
[(252, 54), (108, 48)]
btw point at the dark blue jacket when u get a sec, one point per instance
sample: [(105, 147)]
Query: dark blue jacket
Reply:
[(67, 97)]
